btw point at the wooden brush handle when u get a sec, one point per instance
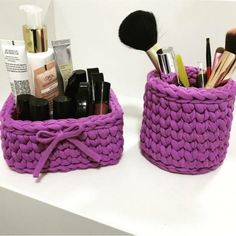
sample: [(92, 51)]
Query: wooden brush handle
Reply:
[(152, 53), (226, 61), (231, 71)]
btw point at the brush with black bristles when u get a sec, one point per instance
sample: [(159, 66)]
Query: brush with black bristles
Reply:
[(139, 31), (227, 62)]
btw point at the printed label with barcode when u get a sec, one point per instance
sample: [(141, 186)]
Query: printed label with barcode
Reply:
[(22, 87)]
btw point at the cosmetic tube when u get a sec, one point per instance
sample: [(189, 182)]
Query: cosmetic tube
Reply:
[(46, 84), (14, 54), (62, 52), (102, 98)]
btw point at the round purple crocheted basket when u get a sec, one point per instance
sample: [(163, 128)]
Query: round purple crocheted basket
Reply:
[(62, 145), (186, 130)]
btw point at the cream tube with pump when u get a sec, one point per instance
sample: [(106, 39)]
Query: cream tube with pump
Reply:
[(16, 64), (39, 55)]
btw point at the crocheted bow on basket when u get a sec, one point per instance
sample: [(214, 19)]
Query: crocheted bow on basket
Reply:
[(52, 139)]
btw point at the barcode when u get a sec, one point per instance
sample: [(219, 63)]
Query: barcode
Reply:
[(22, 87)]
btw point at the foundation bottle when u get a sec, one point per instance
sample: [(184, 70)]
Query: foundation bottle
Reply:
[(38, 53)]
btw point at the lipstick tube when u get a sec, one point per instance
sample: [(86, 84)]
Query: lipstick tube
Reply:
[(82, 103), (102, 98)]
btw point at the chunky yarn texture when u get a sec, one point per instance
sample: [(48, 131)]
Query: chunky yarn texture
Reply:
[(62, 145), (186, 130)]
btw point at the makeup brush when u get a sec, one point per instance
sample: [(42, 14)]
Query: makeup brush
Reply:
[(183, 77), (226, 63), (218, 53), (139, 31)]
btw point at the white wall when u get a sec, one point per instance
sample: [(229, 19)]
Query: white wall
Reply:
[(93, 25)]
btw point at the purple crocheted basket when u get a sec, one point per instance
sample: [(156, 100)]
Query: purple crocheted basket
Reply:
[(62, 145), (186, 130)]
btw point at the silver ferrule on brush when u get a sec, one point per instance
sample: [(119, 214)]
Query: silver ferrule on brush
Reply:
[(166, 60)]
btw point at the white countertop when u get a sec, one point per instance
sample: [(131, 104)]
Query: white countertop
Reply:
[(136, 196)]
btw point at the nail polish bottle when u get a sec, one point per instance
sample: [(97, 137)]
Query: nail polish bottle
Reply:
[(73, 83), (39, 109), (22, 106), (82, 102), (102, 94), (62, 107)]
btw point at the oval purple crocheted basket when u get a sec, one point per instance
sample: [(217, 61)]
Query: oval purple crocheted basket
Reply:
[(62, 145), (186, 130)]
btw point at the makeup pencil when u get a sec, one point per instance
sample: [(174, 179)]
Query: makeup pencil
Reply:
[(208, 57)]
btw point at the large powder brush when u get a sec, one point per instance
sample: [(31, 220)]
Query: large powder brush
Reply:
[(139, 31)]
